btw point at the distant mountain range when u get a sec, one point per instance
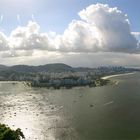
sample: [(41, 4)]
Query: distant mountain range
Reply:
[(55, 67), (25, 72)]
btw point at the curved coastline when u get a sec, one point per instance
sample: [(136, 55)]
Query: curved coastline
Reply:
[(123, 74)]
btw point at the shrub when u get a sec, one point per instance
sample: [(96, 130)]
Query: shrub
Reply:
[(6, 133)]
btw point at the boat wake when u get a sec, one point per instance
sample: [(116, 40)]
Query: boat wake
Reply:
[(108, 103)]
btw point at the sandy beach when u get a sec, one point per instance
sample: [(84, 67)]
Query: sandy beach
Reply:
[(110, 76)]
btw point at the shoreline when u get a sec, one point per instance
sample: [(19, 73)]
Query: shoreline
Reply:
[(13, 82), (28, 83), (115, 75)]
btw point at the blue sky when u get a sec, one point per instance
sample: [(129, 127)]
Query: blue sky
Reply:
[(55, 15)]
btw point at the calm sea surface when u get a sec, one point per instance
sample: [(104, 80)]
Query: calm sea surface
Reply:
[(110, 112)]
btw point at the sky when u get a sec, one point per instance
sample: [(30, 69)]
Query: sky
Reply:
[(76, 32)]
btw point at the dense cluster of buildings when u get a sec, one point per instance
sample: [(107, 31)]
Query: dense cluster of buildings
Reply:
[(67, 80), (63, 78)]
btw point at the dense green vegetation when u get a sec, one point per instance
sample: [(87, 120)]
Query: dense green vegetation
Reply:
[(7, 133)]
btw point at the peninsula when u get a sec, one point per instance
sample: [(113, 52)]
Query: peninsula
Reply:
[(59, 75)]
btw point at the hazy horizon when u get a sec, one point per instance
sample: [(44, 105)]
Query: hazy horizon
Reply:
[(75, 66)]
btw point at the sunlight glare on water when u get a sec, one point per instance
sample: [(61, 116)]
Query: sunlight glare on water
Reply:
[(82, 113)]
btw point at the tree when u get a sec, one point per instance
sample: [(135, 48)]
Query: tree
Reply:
[(6, 133)]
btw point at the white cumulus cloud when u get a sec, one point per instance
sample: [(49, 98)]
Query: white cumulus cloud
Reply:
[(100, 29), (110, 27)]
